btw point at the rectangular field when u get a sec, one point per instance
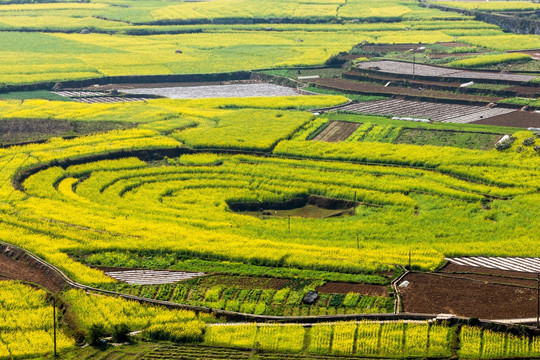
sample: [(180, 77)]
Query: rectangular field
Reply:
[(337, 131), (404, 68), (215, 91), (435, 112), (501, 263)]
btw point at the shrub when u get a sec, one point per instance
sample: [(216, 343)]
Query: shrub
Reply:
[(505, 143), (191, 331), (528, 141), (95, 333), (120, 333), (336, 60)]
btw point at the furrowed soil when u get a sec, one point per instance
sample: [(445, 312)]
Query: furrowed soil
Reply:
[(522, 119), (15, 270), (337, 131), (471, 291), (374, 89)]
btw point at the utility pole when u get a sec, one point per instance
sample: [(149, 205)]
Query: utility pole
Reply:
[(54, 325), (413, 64), (538, 303)]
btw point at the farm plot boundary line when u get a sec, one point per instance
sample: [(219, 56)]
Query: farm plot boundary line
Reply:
[(157, 154)]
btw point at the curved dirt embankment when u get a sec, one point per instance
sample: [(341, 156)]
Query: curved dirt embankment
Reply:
[(17, 265)]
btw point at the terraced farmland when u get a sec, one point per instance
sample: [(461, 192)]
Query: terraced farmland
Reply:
[(453, 113), (196, 188), (421, 70)]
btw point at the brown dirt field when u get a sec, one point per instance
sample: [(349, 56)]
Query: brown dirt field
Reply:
[(15, 270), (337, 131), (521, 119), (526, 91), (344, 288), (372, 89), (245, 282), (472, 291)]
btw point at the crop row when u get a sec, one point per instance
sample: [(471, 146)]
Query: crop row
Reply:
[(260, 301), (342, 338)]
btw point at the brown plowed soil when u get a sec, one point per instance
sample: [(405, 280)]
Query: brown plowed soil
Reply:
[(15, 270), (372, 89), (344, 288), (245, 282), (471, 291), (337, 131), (525, 91), (521, 119)]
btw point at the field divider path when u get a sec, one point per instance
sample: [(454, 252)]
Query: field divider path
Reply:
[(397, 303)]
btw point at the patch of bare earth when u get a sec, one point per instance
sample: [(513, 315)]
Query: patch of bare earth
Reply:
[(521, 119), (374, 89), (337, 131), (471, 291), (18, 270)]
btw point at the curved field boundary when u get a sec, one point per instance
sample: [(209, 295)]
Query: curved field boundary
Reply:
[(158, 154)]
